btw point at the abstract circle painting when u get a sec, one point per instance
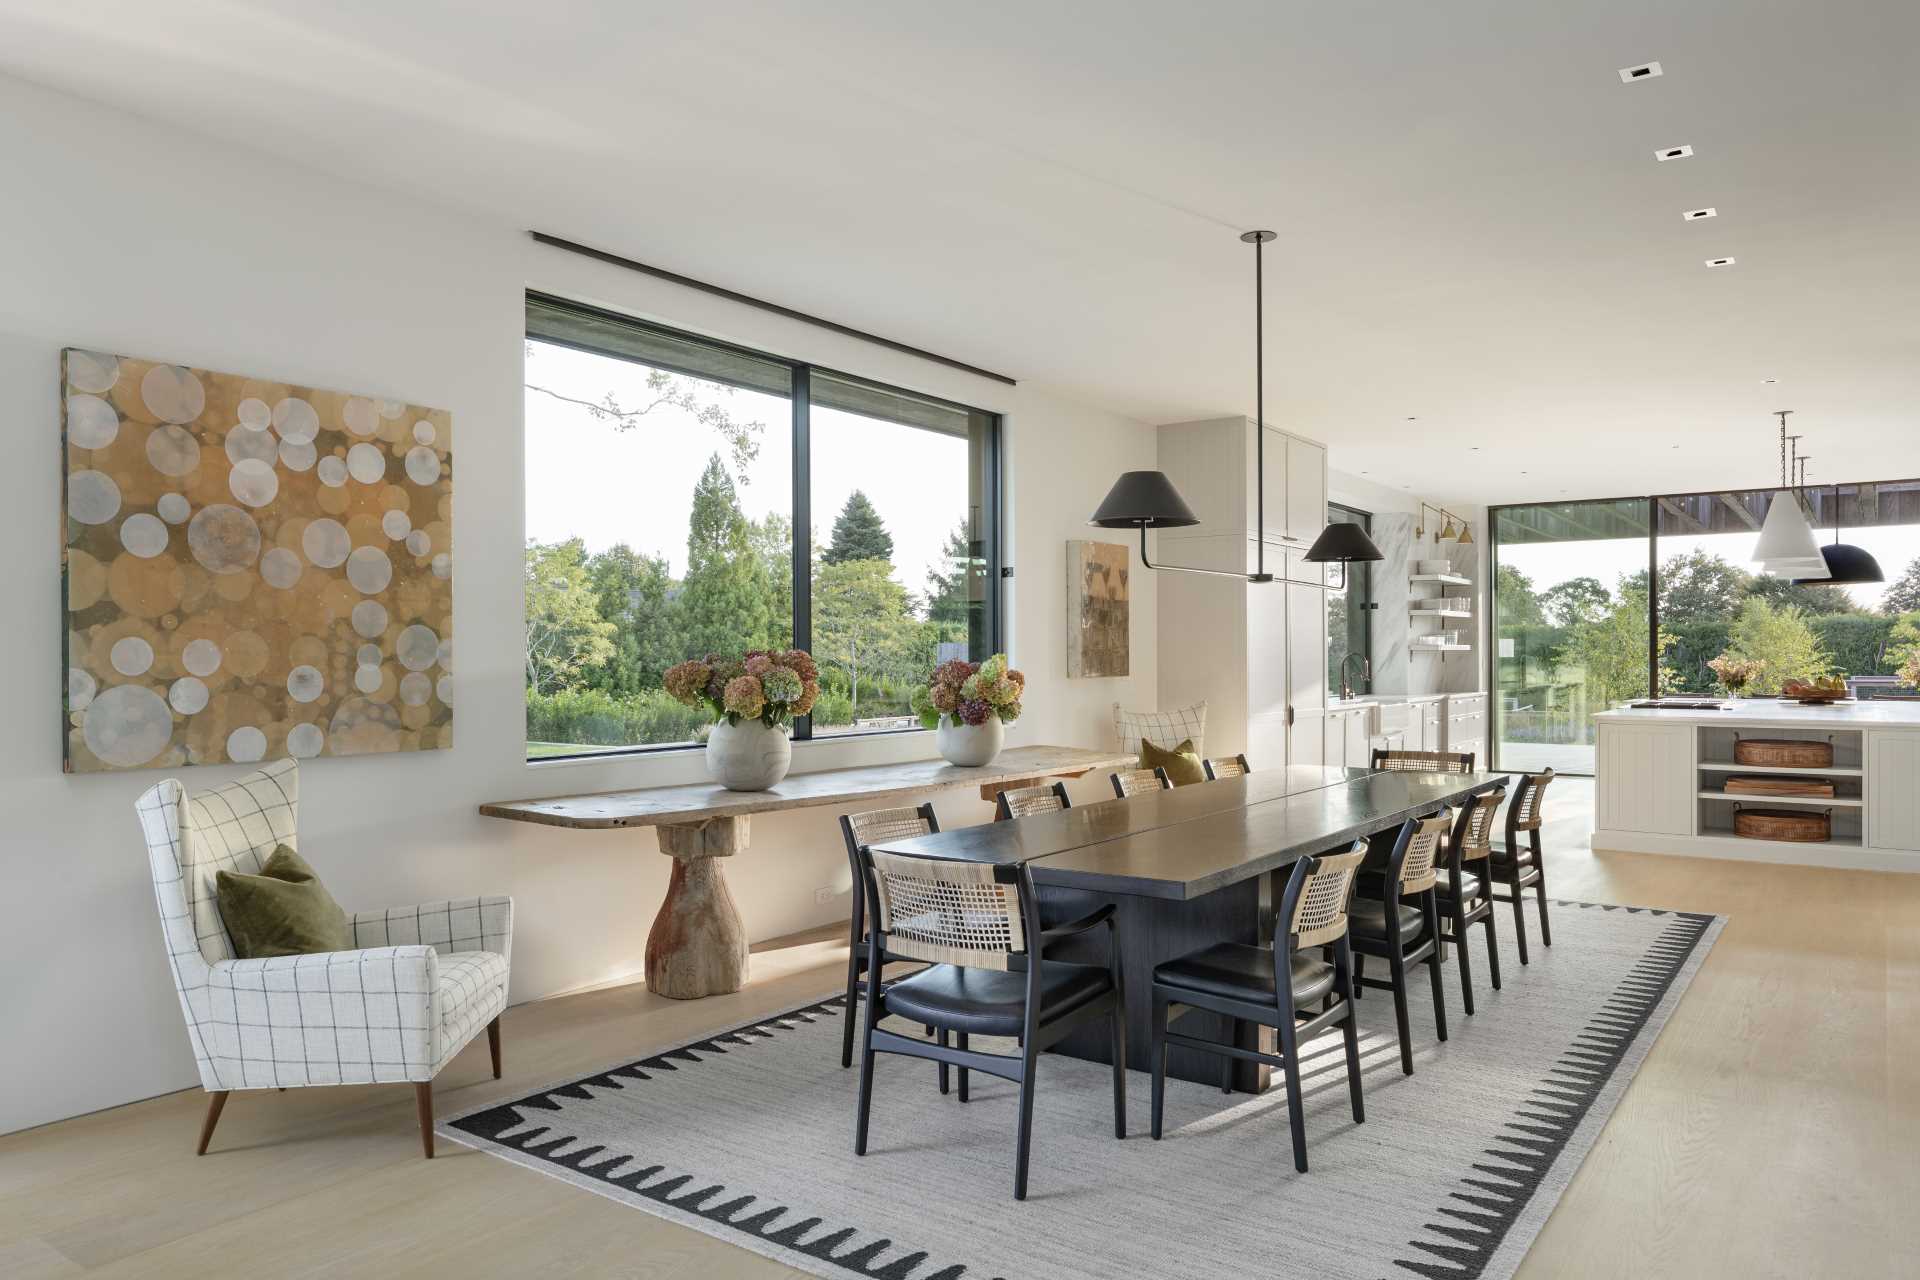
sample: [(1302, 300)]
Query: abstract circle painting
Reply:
[(245, 568)]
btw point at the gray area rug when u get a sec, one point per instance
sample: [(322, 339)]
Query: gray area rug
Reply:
[(748, 1136)]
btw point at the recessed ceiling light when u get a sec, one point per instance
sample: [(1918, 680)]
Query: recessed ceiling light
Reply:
[(1680, 152), (1719, 262), (1645, 71), (1693, 214), (1767, 382)]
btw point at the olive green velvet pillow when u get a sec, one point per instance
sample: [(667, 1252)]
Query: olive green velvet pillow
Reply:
[(283, 911), (1182, 763)]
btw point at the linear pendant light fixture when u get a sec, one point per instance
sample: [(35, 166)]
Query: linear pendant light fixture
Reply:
[(1787, 547), (1146, 500)]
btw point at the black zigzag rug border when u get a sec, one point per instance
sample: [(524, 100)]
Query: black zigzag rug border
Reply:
[(1480, 1212), (1468, 1229)]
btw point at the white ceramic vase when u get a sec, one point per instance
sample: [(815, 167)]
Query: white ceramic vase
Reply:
[(748, 756), (970, 745)]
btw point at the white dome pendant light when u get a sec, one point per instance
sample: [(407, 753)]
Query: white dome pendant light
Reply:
[(1787, 547)]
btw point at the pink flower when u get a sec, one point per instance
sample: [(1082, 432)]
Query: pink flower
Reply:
[(686, 681), (758, 664), (954, 673), (800, 662), (973, 711), (745, 697), (945, 697)]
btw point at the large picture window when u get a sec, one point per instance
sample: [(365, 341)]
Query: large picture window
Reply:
[(1597, 603), (684, 497)]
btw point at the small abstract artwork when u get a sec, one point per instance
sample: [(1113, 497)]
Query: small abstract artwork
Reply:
[(251, 569), (1097, 613)]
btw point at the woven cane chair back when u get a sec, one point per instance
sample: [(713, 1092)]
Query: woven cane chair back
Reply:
[(1423, 761), (1228, 767), (1320, 910), (1526, 814), (1420, 869), (1474, 830), (877, 825), (1024, 802), (947, 912), (1133, 782)]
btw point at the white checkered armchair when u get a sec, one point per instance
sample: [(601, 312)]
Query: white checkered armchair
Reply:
[(419, 986)]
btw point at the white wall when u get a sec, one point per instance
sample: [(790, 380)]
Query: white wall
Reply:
[(119, 235)]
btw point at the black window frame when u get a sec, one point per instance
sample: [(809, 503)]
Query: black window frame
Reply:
[(800, 420), (1813, 491)]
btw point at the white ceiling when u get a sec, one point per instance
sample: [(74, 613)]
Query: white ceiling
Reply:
[(1473, 230)]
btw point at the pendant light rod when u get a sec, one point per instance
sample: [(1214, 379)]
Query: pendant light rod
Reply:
[(1258, 239)]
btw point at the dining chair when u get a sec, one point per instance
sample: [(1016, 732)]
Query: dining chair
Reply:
[(1516, 864), (1226, 767), (978, 926), (1423, 761), (1275, 986), (1024, 802), (1466, 896), (1133, 782), (1391, 929), (860, 830)]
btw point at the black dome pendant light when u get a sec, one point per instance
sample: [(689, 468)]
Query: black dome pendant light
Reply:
[(1146, 500), (1846, 563)]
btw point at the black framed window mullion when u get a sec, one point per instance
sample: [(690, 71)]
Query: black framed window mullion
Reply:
[(802, 410)]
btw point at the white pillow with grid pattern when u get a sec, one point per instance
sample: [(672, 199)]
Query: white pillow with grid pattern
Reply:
[(1164, 729)]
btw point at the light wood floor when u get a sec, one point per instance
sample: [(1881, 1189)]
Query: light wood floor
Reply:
[(1773, 1131)]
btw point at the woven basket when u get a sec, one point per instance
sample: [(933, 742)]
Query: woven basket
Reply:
[(1760, 785), (1799, 826), (1782, 753)]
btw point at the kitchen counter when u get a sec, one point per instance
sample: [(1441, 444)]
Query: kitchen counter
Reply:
[(1661, 774)]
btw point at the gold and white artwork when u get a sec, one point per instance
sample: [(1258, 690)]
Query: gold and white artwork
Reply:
[(1098, 609), (251, 569)]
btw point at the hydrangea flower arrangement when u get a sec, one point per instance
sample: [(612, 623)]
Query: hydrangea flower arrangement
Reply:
[(769, 685), (968, 692)]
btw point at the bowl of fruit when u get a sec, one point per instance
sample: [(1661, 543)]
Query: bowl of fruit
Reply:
[(1817, 692)]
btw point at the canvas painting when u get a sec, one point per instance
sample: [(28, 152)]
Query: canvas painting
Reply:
[(1097, 614), (251, 569)]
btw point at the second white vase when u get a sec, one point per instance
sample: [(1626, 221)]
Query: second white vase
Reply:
[(749, 756)]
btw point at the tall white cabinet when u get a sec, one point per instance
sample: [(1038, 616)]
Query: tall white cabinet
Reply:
[(1256, 652)]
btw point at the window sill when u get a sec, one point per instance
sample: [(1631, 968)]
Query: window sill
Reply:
[(801, 747)]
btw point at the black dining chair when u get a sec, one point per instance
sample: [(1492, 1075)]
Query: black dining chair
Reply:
[(860, 830), (1275, 986), (1133, 782), (1402, 926), (978, 926), (1422, 761), (1518, 864), (1466, 895), (1024, 802), (1226, 767)]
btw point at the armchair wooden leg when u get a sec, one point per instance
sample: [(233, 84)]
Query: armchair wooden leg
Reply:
[(493, 1045), (216, 1102), (423, 1099)]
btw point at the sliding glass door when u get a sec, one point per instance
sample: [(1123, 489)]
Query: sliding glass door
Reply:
[(1570, 626)]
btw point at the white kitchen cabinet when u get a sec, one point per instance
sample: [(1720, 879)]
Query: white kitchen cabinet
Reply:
[(1893, 788), (1307, 738), (1644, 778), (1306, 490), (1465, 726), (1426, 729), (1348, 730)]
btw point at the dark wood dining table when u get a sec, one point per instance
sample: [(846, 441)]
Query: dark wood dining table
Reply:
[(1191, 867)]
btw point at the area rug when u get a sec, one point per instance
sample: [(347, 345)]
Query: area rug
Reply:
[(748, 1137)]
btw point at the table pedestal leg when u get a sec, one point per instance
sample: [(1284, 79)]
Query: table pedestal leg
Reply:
[(698, 946)]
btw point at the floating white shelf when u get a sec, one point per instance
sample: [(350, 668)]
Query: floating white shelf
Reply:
[(1439, 648), (1418, 612), (1742, 843), (1727, 766), (1450, 579), (1823, 802)]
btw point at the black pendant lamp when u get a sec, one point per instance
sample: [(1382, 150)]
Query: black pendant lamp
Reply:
[(1342, 543), (1146, 500), (1846, 563)]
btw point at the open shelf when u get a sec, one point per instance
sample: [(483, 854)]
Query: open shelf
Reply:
[(1838, 840), (1450, 579), (1821, 802), (1439, 648), (1418, 612), (1728, 766)]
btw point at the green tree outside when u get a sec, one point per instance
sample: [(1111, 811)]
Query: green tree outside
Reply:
[(565, 632), (1575, 601), (726, 599), (862, 625), (1781, 638), (1904, 595), (858, 533)]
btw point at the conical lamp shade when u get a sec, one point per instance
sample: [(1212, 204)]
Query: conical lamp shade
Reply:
[(1787, 541)]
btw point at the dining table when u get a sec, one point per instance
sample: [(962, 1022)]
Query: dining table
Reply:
[(1191, 867)]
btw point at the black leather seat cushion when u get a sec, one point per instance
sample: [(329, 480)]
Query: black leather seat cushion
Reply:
[(1368, 917), (1502, 856), (1469, 886), (1241, 972), (987, 1002)]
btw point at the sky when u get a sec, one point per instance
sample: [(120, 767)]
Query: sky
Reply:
[(588, 479), (1548, 563)]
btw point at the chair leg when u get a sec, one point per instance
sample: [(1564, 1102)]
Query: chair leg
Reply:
[(1029, 1068), (941, 1039), (1439, 999), (1493, 949), (960, 1042), (216, 1103), (866, 1084), (423, 1103), (1296, 1118), (1398, 969), (857, 927), (493, 1045), (1466, 966), (1158, 1053), (1519, 914), (1119, 1021), (1226, 1071), (1352, 1030), (1540, 888), (1359, 976)]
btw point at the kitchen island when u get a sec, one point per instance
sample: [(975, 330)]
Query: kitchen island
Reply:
[(1662, 778)]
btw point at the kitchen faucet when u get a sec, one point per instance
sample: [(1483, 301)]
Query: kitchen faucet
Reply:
[(1366, 673)]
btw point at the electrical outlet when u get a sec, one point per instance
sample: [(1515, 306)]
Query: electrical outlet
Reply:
[(823, 895)]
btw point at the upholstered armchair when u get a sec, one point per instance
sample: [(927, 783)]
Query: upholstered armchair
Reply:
[(419, 985)]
